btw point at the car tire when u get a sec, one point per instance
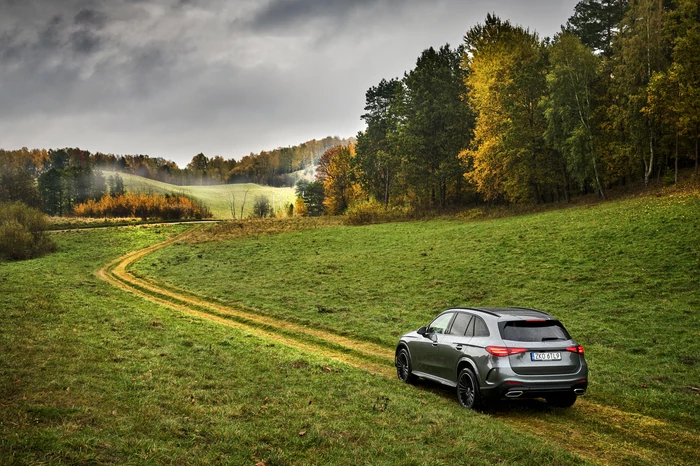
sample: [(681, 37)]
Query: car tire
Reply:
[(468, 389), (564, 400), (403, 366)]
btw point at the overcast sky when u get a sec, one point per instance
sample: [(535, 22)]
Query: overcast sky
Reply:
[(172, 78)]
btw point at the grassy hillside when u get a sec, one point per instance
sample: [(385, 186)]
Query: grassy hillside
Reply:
[(92, 374), (622, 276), (216, 197)]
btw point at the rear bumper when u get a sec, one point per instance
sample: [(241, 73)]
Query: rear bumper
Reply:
[(514, 389)]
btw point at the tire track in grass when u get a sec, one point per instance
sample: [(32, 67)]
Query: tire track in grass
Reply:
[(602, 434), (363, 355)]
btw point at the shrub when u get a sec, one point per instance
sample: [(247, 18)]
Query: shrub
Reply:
[(365, 212), (22, 232), (168, 207), (300, 209), (373, 211), (261, 207)]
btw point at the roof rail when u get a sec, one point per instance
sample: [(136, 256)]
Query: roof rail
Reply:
[(485, 311)]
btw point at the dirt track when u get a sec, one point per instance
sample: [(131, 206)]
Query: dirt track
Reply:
[(601, 434)]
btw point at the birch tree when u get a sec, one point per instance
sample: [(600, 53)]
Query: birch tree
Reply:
[(570, 106)]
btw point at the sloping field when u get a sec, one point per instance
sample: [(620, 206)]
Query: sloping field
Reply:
[(277, 348), (621, 275), (93, 374), (216, 197)]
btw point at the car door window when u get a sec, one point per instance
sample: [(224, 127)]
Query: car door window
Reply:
[(440, 324), (460, 324)]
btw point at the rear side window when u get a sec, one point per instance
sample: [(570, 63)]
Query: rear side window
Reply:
[(477, 328), (548, 330), (480, 328)]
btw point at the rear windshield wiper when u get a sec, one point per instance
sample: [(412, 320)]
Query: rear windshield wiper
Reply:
[(552, 338)]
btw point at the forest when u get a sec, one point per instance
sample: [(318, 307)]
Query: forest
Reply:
[(509, 117)]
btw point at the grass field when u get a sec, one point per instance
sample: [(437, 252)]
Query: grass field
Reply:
[(92, 374), (215, 197), (622, 276)]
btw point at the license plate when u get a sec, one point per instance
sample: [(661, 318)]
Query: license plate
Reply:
[(545, 356)]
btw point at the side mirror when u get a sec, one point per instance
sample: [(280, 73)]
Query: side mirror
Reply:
[(422, 331)]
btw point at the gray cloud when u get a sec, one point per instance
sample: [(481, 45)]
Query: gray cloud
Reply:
[(50, 38), (91, 18), (85, 42), (289, 13), (172, 78)]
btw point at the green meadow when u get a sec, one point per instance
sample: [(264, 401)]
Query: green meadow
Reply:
[(622, 276), (91, 373), (216, 197)]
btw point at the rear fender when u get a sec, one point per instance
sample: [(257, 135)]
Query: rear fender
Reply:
[(466, 362)]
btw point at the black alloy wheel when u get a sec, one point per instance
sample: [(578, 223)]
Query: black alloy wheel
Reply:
[(467, 390), (403, 366)]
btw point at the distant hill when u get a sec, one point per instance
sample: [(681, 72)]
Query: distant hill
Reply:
[(283, 166), (215, 197)]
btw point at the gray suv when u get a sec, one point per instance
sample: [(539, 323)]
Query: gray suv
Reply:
[(495, 353)]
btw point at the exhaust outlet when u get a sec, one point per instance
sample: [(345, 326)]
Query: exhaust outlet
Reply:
[(579, 391), (514, 394)]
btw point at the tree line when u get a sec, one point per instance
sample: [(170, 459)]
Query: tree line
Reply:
[(278, 167), (506, 117), (613, 99), (58, 180)]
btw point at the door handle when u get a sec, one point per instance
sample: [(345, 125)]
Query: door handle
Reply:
[(458, 347), (435, 343)]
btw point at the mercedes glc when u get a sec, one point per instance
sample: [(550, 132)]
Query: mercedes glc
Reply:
[(496, 353)]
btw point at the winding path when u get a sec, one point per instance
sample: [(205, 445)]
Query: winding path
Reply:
[(601, 434), (367, 356)]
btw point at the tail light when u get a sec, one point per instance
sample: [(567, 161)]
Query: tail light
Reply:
[(575, 349), (501, 351)]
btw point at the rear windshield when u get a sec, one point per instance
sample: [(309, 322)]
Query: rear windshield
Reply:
[(534, 331)]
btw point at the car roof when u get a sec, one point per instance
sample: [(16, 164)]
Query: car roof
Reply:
[(509, 312)]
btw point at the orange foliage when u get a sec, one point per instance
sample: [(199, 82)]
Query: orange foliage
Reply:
[(168, 207)]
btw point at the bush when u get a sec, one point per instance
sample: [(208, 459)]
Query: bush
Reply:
[(365, 212), (261, 207), (300, 209), (22, 232), (373, 211), (168, 207)]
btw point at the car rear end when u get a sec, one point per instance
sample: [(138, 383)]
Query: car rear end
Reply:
[(536, 357)]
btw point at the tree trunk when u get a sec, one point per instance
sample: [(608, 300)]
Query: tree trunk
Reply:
[(675, 175), (386, 188), (245, 194), (650, 166), (696, 157), (443, 194), (601, 193), (567, 196)]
